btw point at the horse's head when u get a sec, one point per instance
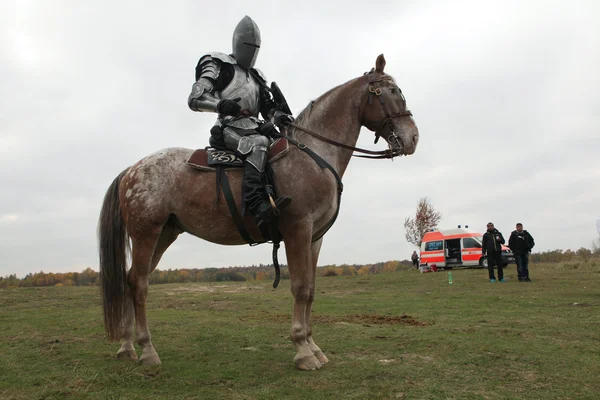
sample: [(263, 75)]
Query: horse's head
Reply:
[(386, 114)]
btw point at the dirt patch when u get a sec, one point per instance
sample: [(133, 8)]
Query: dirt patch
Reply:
[(409, 356), (241, 288), (369, 319), (529, 376), (219, 305), (582, 305), (365, 319), (192, 289), (213, 289), (528, 335), (175, 303)]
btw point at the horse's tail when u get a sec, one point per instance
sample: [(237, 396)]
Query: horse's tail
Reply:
[(113, 242)]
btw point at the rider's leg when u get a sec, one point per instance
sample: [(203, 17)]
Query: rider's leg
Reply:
[(255, 197), (254, 150), (253, 190)]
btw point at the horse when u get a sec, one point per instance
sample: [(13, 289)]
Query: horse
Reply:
[(149, 204)]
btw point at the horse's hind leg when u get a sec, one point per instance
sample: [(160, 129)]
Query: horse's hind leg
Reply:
[(127, 351), (142, 252), (315, 249)]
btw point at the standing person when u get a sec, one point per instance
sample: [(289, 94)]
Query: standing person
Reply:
[(492, 247), (521, 242), (415, 259)]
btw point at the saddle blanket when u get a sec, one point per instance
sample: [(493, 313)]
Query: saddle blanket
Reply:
[(209, 158)]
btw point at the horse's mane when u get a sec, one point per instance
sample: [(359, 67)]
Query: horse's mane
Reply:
[(303, 115), (306, 111)]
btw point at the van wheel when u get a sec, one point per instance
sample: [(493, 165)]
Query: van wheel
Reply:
[(483, 262)]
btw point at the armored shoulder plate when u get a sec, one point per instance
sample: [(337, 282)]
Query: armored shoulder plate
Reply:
[(226, 58), (260, 74), (210, 64)]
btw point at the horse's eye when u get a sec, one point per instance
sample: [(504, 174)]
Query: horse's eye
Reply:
[(393, 90)]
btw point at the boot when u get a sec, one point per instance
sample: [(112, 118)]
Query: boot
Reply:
[(255, 196)]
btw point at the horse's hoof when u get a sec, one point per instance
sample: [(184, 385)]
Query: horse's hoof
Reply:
[(128, 354), (149, 359), (321, 357), (308, 363)]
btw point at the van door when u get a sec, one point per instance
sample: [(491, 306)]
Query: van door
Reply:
[(453, 252), (471, 251)]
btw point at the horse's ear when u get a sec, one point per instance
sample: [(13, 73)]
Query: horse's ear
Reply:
[(380, 63)]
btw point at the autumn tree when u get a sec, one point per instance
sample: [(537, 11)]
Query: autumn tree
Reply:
[(364, 270), (391, 266), (426, 218)]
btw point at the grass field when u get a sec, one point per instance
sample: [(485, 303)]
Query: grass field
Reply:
[(468, 340)]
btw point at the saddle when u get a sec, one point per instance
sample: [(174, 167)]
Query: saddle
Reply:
[(209, 158)]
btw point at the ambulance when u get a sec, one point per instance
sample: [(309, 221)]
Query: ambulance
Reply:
[(459, 247)]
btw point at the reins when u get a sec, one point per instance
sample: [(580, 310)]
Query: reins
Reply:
[(388, 153)]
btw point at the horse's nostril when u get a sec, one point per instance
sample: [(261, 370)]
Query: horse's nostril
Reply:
[(415, 139)]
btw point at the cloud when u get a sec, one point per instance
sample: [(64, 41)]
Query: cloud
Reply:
[(8, 218), (504, 94)]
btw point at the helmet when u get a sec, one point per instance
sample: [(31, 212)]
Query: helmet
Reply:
[(246, 42)]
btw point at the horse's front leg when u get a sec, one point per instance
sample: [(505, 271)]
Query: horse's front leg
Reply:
[(315, 249), (299, 257)]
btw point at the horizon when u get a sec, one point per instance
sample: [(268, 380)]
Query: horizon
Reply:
[(282, 265)]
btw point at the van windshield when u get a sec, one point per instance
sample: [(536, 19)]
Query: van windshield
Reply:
[(471, 242)]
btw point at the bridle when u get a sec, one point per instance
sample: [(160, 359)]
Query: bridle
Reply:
[(392, 139)]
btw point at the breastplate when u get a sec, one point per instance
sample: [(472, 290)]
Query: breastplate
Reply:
[(245, 86)]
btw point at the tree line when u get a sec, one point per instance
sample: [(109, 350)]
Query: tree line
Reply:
[(558, 255), (90, 277)]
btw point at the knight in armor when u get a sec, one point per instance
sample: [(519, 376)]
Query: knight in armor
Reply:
[(230, 86)]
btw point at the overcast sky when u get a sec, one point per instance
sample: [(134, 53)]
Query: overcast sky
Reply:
[(505, 94)]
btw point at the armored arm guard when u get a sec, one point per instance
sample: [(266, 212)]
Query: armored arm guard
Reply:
[(267, 105), (202, 97)]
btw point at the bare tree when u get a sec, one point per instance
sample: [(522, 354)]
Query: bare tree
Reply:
[(596, 246), (426, 218)]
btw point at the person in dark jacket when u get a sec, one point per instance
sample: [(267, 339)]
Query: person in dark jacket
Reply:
[(521, 242), (492, 248), (415, 259)]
